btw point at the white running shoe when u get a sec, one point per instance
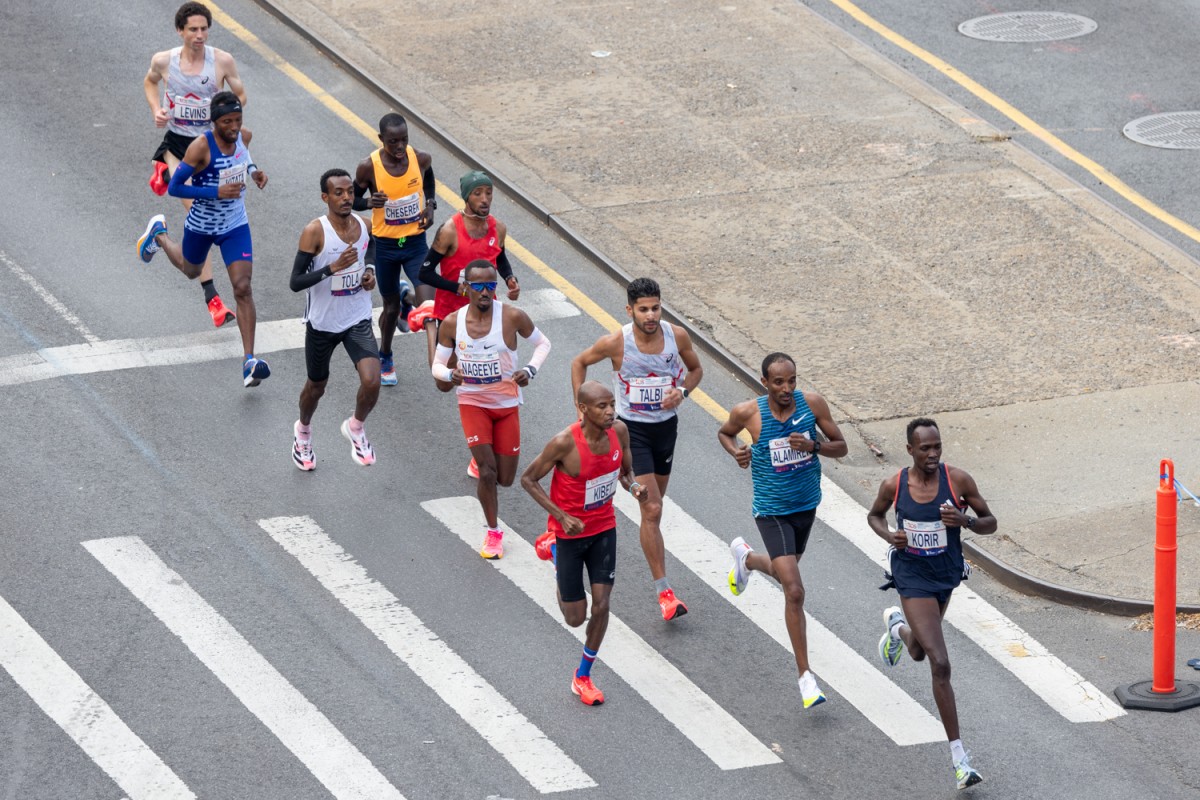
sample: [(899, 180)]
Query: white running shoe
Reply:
[(739, 576), (360, 448), (302, 452), (965, 774), (891, 647), (810, 693)]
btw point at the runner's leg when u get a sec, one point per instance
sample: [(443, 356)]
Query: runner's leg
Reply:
[(485, 457), (247, 316), (924, 634)]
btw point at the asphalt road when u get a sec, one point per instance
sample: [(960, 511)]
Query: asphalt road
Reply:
[(186, 460)]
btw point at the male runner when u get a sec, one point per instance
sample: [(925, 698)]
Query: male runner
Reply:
[(654, 370), (191, 75), (786, 469), (589, 459), (930, 500), (333, 264), (217, 164), (483, 335), (400, 181), (467, 236)]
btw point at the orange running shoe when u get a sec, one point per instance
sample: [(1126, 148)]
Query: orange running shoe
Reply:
[(588, 694), (473, 469), (493, 545), (672, 607), (420, 315), (220, 314), (543, 544)]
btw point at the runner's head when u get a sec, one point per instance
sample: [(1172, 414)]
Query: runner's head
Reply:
[(476, 190), (192, 21), (226, 115), (337, 190), (924, 444), (779, 376), (393, 134), (596, 404), (480, 278), (645, 304)]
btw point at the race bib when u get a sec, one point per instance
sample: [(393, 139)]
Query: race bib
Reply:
[(646, 394), (480, 368), (234, 174), (346, 282), (599, 490), (785, 459), (191, 111), (403, 210), (925, 538)]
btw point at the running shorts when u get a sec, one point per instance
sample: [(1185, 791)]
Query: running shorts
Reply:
[(359, 341), (393, 260), (786, 534), (498, 427), (174, 143), (652, 445), (598, 553), (235, 245)]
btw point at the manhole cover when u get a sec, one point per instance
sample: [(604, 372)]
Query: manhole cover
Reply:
[(1176, 130), (1027, 26)]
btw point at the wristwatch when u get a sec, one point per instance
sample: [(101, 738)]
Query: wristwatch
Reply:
[(816, 446), (685, 392)]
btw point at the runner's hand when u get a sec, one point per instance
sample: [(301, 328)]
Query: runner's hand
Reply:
[(514, 288), (230, 191), (161, 117), (260, 178), (378, 199), (456, 377), (572, 526), (640, 494), (346, 260), (673, 398), (368, 279), (800, 443), (899, 539), (426, 218), (742, 456), (951, 516)]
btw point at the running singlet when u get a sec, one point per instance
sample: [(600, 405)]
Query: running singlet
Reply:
[(451, 266), (786, 481), (215, 216), (487, 365), (933, 554), (589, 496), (189, 96), (401, 214), (645, 378), (339, 302)]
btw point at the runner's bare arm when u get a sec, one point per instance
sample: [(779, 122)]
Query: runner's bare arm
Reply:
[(687, 354), (158, 70), (610, 346), (626, 477), (740, 417), (520, 320), (877, 515), (503, 267), (227, 71), (256, 174), (985, 522), (428, 187), (555, 451), (836, 447)]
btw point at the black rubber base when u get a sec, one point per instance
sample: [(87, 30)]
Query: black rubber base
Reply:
[(1140, 696)]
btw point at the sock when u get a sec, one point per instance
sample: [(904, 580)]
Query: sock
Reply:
[(497, 531), (356, 427), (248, 357), (807, 680), (585, 663), (304, 431), (957, 751), (661, 585), (210, 291), (895, 630)]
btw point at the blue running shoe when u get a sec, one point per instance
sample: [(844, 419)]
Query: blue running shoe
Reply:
[(387, 370), (146, 245), (255, 371), (406, 291)]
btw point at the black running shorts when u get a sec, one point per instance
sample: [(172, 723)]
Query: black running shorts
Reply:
[(786, 535), (652, 445), (598, 553), (174, 143), (359, 341)]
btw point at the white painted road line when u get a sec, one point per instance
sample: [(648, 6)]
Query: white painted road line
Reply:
[(539, 760), (1061, 687), (298, 724), (222, 344), (713, 730), (52, 301), (836, 664), (82, 714)]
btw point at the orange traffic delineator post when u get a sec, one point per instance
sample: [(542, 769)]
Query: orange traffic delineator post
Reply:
[(1163, 692)]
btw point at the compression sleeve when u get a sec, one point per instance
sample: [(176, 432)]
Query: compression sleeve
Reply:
[(369, 256), (303, 279), (179, 185), (541, 349), (361, 202), (429, 186), (440, 359), (503, 267), (429, 273)]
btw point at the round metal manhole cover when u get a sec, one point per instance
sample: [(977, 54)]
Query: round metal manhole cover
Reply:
[(1027, 26), (1176, 130)]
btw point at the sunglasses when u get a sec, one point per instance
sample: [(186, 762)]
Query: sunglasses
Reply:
[(485, 286)]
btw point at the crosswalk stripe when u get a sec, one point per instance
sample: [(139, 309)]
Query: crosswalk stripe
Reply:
[(82, 714), (714, 731), (1061, 687), (297, 723), (539, 760), (211, 345), (835, 663)]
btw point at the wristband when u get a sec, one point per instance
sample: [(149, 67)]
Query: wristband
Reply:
[(685, 392), (816, 447), (531, 370), (634, 487), (443, 373)]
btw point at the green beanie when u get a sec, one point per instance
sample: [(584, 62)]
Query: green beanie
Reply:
[(472, 181)]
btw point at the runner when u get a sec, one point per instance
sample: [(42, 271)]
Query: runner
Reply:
[(484, 337), (217, 164), (467, 236), (654, 370), (191, 75), (400, 181), (334, 265), (589, 459), (930, 500), (786, 471)]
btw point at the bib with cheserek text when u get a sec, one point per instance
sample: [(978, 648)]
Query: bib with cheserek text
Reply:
[(403, 210), (600, 490), (925, 538), (646, 393)]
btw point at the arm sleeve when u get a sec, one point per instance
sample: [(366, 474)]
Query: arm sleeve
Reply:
[(179, 188), (541, 349), (369, 256), (440, 359), (502, 266), (429, 273), (361, 203), (303, 279), (429, 186)]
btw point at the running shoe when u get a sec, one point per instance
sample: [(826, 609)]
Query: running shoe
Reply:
[(493, 545), (965, 774), (405, 306), (302, 452), (672, 607), (588, 694), (146, 245), (387, 370), (419, 315), (254, 371), (159, 179), (891, 647), (220, 314), (473, 469), (739, 576), (810, 694), (360, 448), (544, 546)]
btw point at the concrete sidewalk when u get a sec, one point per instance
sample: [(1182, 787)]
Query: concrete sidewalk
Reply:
[(792, 190)]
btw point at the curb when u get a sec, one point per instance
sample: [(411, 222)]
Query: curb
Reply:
[(1003, 573)]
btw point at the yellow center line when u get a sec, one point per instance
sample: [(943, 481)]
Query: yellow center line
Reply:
[(1058, 145), (547, 273)]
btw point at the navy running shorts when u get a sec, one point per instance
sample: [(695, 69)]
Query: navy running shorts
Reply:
[(235, 245), (392, 261)]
